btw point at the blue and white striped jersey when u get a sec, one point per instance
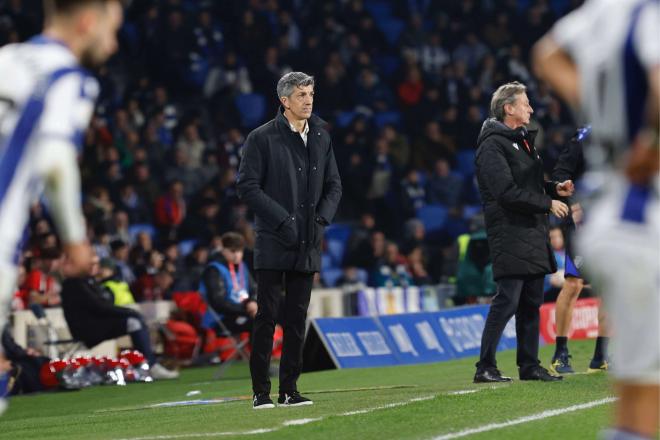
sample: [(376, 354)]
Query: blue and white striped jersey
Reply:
[(614, 44), (46, 102)]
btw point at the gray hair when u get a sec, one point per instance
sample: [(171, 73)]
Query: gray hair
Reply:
[(288, 82), (505, 94)]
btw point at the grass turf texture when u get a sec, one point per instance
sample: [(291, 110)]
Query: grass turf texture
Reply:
[(110, 412)]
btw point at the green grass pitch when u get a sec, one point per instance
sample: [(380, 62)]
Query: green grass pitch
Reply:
[(411, 402)]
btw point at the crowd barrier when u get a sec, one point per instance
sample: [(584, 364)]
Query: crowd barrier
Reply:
[(408, 338), (397, 326)]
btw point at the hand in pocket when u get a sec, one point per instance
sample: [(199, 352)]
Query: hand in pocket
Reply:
[(288, 231)]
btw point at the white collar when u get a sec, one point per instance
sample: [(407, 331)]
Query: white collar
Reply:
[(305, 130)]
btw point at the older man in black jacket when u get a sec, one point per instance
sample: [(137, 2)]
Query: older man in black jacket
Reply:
[(288, 177), (516, 202)]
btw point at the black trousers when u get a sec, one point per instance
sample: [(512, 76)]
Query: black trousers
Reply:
[(298, 288), (521, 297)]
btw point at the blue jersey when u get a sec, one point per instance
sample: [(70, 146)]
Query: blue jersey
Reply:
[(46, 102), (614, 44)]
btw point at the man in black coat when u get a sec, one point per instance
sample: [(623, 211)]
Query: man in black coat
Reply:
[(288, 177), (516, 202)]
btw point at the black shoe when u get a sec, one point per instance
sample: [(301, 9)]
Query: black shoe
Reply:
[(490, 375), (540, 373), (262, 401), (293, 399), (598, 366), (561, 364)]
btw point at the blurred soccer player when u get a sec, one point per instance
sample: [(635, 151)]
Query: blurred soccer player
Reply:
[(46, 100), (604, 59)]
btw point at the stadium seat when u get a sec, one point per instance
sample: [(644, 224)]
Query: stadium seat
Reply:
[(134, 230), (378, 9), (336, 249), (387, 64), (384, 118), (344, 119), (455, 227), (326, 261), (470, 211), (465, 163), (391, 29), (331, 276), (338, 231), (433, 216), (251, 108), (186, 246)]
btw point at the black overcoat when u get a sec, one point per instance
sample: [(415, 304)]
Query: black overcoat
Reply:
[(294, 191), (516, 201)]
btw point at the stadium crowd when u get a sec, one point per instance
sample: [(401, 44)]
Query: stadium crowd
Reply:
[(403, 85)]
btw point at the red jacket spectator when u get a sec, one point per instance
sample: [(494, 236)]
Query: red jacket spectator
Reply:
[(411, 89), (171, 207)]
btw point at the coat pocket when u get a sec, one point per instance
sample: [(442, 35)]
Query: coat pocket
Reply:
[(288, 233)]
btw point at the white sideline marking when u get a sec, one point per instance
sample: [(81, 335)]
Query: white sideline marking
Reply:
[(462, 392), (297, 422), (526, 419), (388, 406), (301, 421)]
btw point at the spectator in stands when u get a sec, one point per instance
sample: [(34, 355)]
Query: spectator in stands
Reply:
[(374, 255), (413, 194), (392, 272), (194, 265), (356, 172), (444, 187), (358, 244), (229, 286), (119, 253), (371, 93), (164, 284), (109, 277), (433, 56), (92, 318), (204, 223), (145, 186), (416, 267), (120, 225), (474, 274), (432, 145), (41, 286), (229, 148), (398, 146), (192, 144), (411, 89), (130, 201), (171, 210)]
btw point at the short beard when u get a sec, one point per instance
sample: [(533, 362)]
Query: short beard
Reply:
[(89, 60)]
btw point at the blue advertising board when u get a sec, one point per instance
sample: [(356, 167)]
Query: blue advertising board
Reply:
[(408, 338), (416, 337), (355, 342)]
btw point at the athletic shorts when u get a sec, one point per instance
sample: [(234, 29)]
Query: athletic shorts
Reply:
[(573, 262), (621, 243)]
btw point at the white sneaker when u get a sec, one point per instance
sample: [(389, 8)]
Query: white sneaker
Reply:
[(157, 371)]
